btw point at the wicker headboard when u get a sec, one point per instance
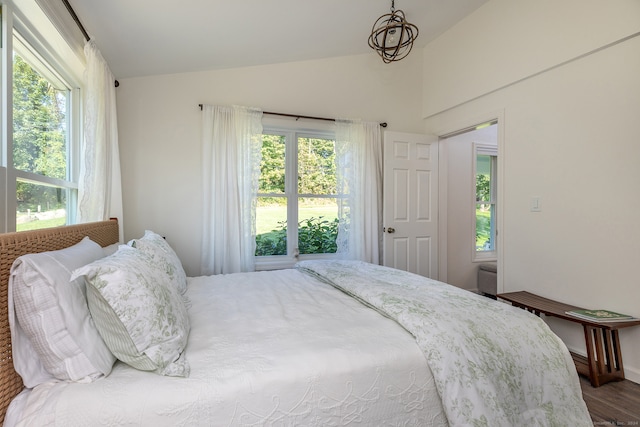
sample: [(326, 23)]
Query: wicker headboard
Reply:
[(13, 245)]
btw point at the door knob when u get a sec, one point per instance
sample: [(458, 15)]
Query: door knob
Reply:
[(391, 230)]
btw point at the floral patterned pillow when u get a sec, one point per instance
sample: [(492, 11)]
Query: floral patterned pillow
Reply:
[(156, 247), (140, 315)]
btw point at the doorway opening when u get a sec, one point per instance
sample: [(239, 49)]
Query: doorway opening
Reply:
[(469, 207)]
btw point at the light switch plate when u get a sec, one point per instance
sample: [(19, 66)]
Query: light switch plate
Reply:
[(536, 204)]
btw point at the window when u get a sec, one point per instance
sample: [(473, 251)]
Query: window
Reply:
[(42, 140), (486, 161), (297, 186)]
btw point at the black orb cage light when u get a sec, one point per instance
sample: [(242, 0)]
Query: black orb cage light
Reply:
[(392, 36)]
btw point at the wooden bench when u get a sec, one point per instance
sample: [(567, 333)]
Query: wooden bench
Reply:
[(604, 357)]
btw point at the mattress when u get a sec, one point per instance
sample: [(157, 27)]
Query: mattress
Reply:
[(276, 348)]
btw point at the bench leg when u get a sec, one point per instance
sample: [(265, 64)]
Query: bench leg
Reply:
[(603, 355)]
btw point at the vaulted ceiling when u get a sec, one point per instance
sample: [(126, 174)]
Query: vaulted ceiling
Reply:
[(148, 37)]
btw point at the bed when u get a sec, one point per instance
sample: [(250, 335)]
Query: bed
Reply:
[(326, 343)]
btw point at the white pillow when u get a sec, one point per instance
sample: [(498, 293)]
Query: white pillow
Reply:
[(163, 256), (111, 249), (139, 313), (52, 332)]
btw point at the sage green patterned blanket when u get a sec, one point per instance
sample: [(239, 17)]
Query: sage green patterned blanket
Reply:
[(494, 365)]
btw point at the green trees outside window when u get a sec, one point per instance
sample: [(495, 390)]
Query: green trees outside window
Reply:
[(307, 198), (39, 146), (485, 202)]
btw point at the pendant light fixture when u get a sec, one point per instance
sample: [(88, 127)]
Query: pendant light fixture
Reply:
[(392, 36)]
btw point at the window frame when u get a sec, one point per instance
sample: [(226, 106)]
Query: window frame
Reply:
[(27, 25), (292, 130), (492, 151)]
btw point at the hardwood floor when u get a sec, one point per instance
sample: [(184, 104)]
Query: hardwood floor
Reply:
[(613, 404)]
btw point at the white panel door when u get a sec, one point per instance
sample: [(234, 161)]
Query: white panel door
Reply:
[(410, 213)]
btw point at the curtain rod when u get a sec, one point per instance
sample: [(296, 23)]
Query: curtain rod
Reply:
[(298, 116), (80, 26), (76, 19)]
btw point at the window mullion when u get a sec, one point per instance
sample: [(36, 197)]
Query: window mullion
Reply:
[(44, 180), (9, 202), (291, 191)]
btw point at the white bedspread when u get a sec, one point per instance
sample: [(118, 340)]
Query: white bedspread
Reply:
[(494, 365), (266, 349)]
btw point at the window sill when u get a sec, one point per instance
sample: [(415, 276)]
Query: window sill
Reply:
[(485, 256), (282, 262)]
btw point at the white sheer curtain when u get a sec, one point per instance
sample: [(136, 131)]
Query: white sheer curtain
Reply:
[(99, 184), (359, 174), (232, 144)]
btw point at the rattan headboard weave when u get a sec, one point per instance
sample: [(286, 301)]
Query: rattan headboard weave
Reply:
[(13, 245)]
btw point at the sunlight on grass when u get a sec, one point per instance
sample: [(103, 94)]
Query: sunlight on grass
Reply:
[(43, 223), (269, 216)]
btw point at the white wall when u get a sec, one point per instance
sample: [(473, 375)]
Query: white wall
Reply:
[(159, 127), (570, 138), (505, 41)]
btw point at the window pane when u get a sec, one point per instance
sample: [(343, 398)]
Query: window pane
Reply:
[(483, 178), (39, 122), (484, 227), (317, 225), (485, 202), (40, 206), (272, 166), (316, 166), (271, 226)]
